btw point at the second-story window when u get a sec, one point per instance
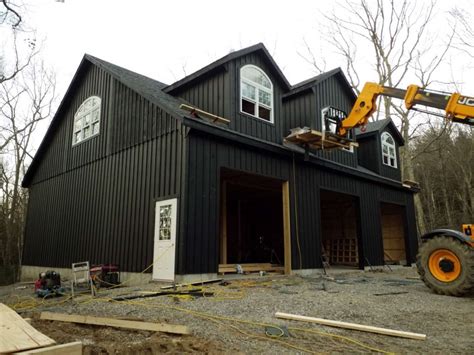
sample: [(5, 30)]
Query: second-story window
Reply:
[(389, 155), (87, 120), (256, 93)]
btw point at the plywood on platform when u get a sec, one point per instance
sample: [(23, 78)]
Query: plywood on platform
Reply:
[(17, 335)]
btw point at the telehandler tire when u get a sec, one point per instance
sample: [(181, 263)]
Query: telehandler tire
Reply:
[(446, 266)]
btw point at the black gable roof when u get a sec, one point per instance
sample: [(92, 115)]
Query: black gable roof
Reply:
[(219, 64), (311, 82), (379, 126), (145, 86)]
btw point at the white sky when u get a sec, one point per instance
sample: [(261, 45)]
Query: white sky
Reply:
[(160, 38)]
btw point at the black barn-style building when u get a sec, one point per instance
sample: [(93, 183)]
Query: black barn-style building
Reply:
[(126, 176)]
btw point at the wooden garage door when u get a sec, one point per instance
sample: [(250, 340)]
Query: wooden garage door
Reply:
[(393, 232)]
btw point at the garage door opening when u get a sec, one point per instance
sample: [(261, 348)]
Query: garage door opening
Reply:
[(254, 233), (393, 234), (340, 229)]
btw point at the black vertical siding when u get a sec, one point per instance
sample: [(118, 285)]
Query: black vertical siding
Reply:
[(200, 234), (219, 93), (369, 154), (95, 201), (304, 110)]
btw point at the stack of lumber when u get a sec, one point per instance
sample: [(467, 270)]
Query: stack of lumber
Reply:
[(17, 335), (232, 268), (318, 140)]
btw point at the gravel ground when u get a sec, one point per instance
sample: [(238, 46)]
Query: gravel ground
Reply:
[(349, 296)]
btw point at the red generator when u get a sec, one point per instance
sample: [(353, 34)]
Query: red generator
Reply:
[(105, 275)]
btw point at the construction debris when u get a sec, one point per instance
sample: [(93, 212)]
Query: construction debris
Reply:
[(113, 322), (364, 328), (197, 292), (197, 283)]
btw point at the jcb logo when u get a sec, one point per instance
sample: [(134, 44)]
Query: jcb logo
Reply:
[(464, 100)]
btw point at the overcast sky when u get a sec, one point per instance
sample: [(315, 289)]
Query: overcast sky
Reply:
[(166, 39)]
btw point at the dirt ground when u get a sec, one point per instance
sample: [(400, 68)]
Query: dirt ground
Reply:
[(235, 316)]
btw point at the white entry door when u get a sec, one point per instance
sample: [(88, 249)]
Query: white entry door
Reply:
[(165, 240)]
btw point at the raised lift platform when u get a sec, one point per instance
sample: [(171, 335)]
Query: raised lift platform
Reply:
[(318, 140)]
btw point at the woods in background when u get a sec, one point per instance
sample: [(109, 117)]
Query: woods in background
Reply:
[(443, 158)]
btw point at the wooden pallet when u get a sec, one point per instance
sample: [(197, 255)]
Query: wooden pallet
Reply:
[(318, 140), (342, 251), (232, 268)]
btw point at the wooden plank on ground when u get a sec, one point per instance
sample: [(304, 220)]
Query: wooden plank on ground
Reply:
[(364, 328), (74, 348), (16, 334), (113, 322)]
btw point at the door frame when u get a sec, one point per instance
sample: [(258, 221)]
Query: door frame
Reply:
[(173, 200), (286, 209)]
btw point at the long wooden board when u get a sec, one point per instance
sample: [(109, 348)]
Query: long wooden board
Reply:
[(364, 328), (16, 334), (74, 348), (118, 323)]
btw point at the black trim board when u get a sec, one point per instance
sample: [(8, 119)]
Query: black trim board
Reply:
[(241, 138)]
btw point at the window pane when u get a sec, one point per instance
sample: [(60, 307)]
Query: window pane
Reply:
[(165, 222), (265, 98), (95, 115), (87, 119), (78, 125), (385, 159), (391, 151), (264, 113), (77, 137), (248, 107), (256, 76), (95, 128), (392, 162), (248, 91), (384, 149), (389, 139), (87, 131)]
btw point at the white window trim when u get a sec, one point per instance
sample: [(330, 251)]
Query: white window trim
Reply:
[(383, 143), (323, 129), (80, 116), (258, 87)]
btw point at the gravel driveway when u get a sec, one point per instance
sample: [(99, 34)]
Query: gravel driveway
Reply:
[(234, 318)]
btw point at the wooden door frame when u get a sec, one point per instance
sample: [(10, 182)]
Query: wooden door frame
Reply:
[(286, 208), (285, 191)]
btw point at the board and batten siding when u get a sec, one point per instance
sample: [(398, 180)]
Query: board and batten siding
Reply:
[(304, 110), (219, 93), (99, 205), (207, 155)]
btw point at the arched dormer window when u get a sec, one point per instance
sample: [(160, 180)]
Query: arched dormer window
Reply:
[(256, 93), (87, 120), (389, 152)]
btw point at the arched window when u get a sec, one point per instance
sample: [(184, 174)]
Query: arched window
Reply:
[(87, 120), (256, 93), (389, 153)]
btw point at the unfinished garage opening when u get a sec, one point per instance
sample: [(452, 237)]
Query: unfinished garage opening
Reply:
[(254, 223), (393, 233), (340, 229)]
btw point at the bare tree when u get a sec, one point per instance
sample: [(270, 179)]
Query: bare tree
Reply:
[(24, 101), (19, 45), (392, 39)]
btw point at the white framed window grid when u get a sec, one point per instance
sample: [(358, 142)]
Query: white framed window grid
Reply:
[(256, 93), (389, 153), (87, 120)]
